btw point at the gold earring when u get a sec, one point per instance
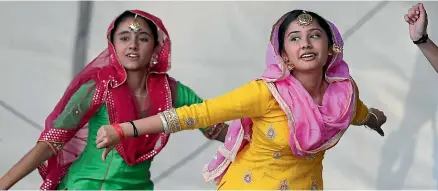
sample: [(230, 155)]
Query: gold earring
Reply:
[(154, 59), (337, 49), (290, 67)]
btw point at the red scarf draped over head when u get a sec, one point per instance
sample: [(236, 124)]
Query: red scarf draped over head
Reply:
[(112, 90)]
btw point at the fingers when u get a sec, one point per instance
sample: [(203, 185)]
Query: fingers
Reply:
[(105, 153), (102, 143), (422, 10), (100, 137), (408, 20), (380, 131), (413, 11), (384, 118), (412, 15)]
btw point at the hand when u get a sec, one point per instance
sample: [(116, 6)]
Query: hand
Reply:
[(376, 122), (107, 138), (417, 19)]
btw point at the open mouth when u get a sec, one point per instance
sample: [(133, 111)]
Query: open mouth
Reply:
[(308, 56), (133, 56)]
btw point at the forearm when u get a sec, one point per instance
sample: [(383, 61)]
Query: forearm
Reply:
[(40, 153), (430, 51), (148, 125)]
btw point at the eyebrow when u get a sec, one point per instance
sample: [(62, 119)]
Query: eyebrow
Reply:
[(125, 32), (312, 29)]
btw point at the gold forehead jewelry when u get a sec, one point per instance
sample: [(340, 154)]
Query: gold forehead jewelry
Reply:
[(135, 26), (304, 19)]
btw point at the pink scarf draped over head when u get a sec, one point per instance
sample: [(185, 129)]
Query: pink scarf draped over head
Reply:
[(312, 128), (111, 89)]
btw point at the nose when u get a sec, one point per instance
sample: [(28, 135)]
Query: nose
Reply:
[(133, 45), (305, 44)]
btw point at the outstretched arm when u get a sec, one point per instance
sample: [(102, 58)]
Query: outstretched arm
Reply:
[(370, 117), (37, 155), (250, 100), (186, 97), (65, 123)]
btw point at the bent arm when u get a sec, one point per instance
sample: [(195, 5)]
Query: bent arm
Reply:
[(430, 51), (250, 100)]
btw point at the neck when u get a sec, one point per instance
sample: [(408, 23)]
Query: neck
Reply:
[(137, 81), (311, 81)]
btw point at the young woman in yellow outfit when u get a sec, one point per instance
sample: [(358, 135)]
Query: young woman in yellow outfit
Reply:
[(284, 121)]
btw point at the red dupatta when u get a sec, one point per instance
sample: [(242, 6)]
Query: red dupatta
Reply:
[(111, 89)]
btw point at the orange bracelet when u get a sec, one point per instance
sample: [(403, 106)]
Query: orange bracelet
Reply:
[(119, 131)]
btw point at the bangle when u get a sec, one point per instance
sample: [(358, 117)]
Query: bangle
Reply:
[(377, 119), (119, 131), (364, 121), (164, 123), (135, 128)]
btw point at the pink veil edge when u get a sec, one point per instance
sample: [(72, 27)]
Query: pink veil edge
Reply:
[(239, 132)]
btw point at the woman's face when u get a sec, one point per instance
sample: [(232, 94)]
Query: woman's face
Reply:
[(306, 47), (134, 49)]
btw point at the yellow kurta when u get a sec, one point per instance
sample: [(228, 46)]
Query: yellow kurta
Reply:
[(267, 162)]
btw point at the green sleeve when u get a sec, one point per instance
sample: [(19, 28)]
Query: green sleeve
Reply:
[(76, 107), (185, 97)]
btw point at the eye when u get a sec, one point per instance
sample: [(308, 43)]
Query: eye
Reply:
[(125, 38), (316, 36), (144, 39), (294, 39)]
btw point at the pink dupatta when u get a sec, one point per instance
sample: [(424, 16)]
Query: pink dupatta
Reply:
[(313, 128)]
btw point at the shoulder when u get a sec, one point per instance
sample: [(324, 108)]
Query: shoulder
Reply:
[(257, 88)]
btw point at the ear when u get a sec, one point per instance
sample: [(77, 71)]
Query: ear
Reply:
[(284, 56), (330, 51)]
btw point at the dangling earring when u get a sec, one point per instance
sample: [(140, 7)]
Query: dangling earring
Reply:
[(337, 49), (154, 59), (290, 67)]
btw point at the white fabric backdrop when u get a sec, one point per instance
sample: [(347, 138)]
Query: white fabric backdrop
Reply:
[(218, 46)]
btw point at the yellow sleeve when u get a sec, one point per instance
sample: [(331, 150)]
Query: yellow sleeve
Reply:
[(250, 100), (361, 110)]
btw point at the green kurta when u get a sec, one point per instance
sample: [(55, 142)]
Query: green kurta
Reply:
[(89, 172)]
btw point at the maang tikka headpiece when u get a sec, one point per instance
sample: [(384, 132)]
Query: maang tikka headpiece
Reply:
[(135, 26), (304, 19)]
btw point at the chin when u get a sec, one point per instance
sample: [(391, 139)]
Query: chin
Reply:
[(309, 68), (133, 66)]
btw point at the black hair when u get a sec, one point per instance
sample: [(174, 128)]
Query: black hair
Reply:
[(291, 16), (129, 14)]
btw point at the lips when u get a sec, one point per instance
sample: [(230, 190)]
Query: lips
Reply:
[(308, 56), (131, 55)]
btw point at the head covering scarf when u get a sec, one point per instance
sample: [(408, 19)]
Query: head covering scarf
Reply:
[(112, 90), (312, 128)]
